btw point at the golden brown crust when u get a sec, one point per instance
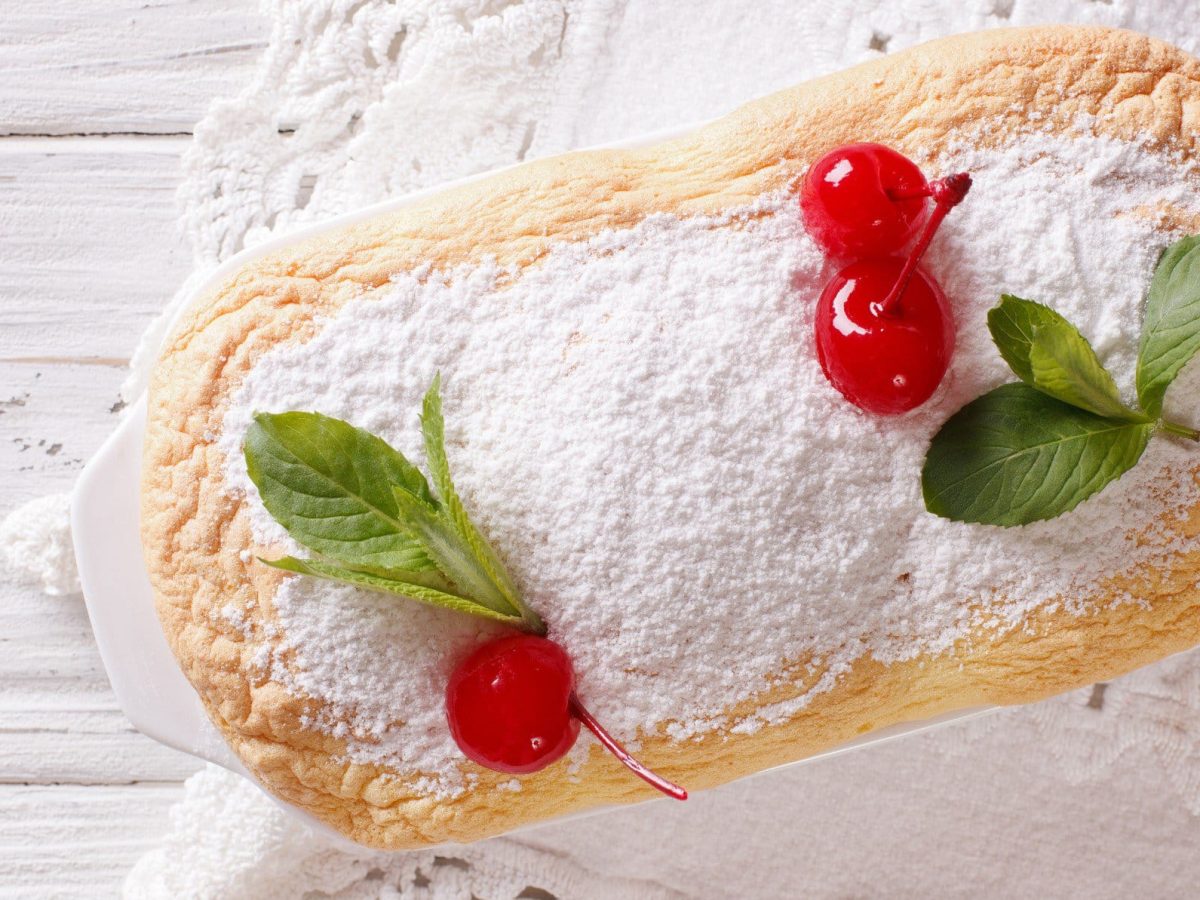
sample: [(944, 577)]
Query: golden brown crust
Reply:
[(193, 532)]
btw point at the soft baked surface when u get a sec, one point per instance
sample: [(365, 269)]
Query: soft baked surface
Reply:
[(194, 532)]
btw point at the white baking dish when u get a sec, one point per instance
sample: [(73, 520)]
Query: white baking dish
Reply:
[(145, 677)]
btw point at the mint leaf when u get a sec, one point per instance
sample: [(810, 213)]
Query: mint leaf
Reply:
[(1171, 325), (1013, 323), (1048, 353), (433, 431), (1066, 367), (331, 486), (1016, 455), (396, 585), (433, 529)]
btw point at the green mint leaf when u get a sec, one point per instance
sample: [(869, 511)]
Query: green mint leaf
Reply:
[(432, 527), (1066, 367), (1048, 353), (430, 578), (393, 585), (1171, 325), (331, 486), (433, 430), (1016, 455), (1013, 323)]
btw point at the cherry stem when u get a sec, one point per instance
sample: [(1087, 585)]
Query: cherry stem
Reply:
[(610, 744), (947, 193)]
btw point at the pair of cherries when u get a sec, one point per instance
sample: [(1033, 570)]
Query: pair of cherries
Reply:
[(884, 331)]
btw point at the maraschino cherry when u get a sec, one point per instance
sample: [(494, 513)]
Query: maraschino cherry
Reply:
[(512, 707), (884, 330), (863, 200)]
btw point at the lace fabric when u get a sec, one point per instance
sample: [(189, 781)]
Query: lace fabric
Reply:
[(227, 840), (1148, 718), (357, 101)]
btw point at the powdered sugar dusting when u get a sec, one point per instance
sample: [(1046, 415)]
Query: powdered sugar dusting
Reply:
[(641, 427)]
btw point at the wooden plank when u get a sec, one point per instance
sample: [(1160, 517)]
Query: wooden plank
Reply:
[(94, 749), (66, 841), (122, 66), (59, 721), (91, 250), (52, 418)]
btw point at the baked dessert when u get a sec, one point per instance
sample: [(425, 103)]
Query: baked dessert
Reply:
[(740, 562)]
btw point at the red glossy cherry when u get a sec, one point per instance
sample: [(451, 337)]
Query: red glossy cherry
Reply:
[(863, 200), (883, 362), (509, 704), (883, 327), (511, 707)]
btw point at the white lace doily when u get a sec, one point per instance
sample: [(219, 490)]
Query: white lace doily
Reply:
[(1149, 718), (356, 101), (227, 840)]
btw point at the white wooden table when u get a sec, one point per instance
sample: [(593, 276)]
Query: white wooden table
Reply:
[(96, 104)]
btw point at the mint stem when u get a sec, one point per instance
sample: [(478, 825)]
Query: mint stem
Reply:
[(532, 621), (947, 193), (1182, 430)]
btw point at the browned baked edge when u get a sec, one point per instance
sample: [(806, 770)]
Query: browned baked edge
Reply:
[(192, 531)]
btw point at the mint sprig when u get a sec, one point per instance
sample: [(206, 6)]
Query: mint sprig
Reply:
[(1037, 449), (371, 516)]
